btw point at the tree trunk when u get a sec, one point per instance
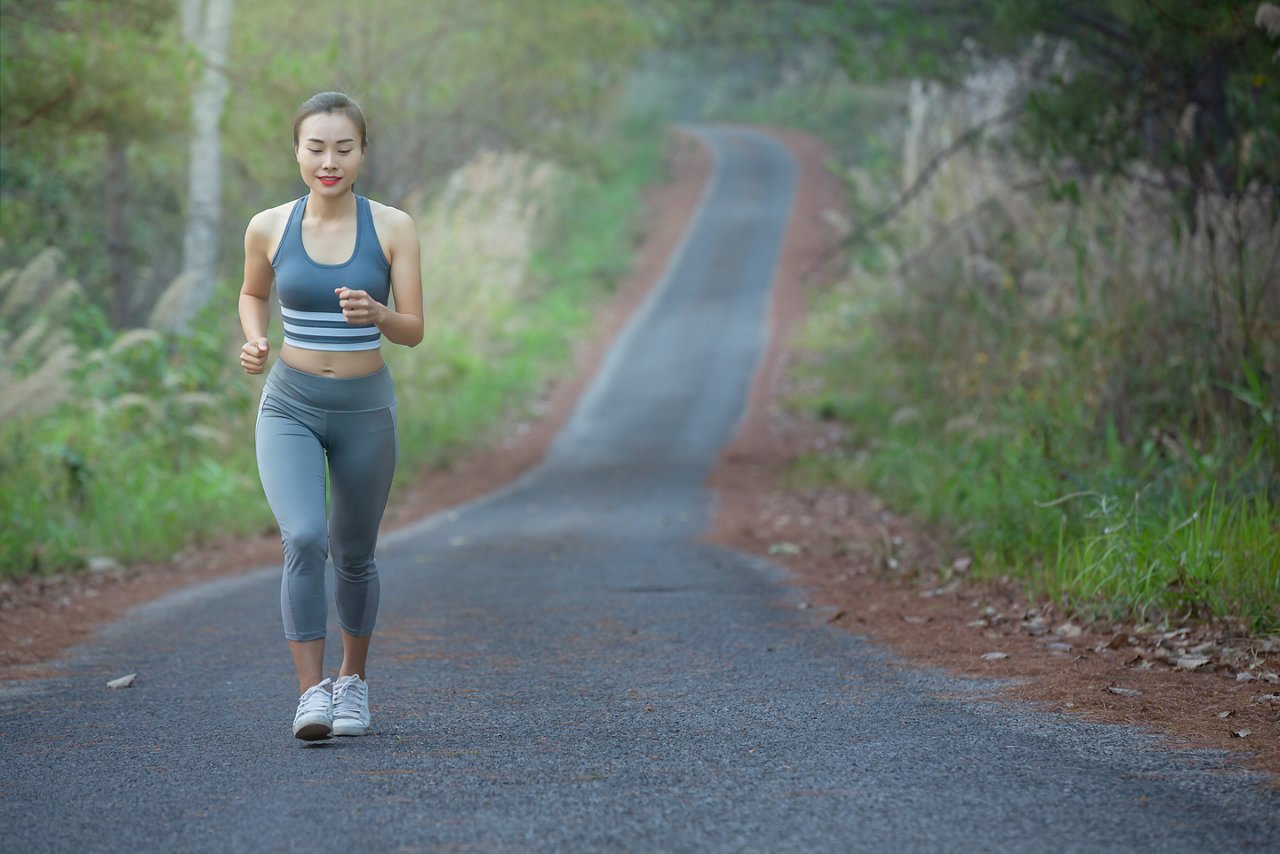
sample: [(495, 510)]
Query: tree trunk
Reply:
[(115, 197), (207, 23)]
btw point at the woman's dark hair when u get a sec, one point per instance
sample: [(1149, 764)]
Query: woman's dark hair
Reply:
[(331, 102)]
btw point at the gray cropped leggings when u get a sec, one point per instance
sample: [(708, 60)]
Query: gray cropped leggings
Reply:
[(302, 420)]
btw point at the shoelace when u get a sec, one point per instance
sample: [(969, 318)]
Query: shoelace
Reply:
[(316, 699), (351, 695)]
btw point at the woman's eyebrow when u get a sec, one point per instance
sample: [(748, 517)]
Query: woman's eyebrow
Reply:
[(322, 141)]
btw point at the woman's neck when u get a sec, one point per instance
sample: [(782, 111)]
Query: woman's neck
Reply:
[(328, 208)]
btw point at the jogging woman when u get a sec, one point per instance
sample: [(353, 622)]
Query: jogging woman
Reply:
[(347, 275)]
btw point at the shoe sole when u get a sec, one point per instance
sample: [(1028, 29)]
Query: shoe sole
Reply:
[(313, 732)]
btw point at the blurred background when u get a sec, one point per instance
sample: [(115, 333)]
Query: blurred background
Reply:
[(1057, 333)]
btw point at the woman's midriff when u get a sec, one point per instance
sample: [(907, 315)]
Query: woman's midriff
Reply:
[(330, 363)]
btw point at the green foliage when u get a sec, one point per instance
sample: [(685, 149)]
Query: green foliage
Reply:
[(154, 450), (79, 79), (1186, 86), (959, 435), (1214, 560)]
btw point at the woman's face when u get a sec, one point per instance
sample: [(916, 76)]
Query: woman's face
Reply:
[(329, 153)]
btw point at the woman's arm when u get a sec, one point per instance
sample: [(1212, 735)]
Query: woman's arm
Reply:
[(255, 310), (403, 324)]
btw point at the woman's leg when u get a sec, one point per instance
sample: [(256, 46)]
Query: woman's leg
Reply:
[(362, 461), (355, 653), (291, 464)]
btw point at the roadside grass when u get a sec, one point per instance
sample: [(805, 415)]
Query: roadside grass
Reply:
[(1032, 491), (1049, 378), (150, 449)]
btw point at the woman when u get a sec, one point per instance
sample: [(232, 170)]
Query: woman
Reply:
[(347, 275)]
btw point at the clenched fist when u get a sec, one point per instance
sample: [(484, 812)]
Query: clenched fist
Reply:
[(253, 355), (358, 308)]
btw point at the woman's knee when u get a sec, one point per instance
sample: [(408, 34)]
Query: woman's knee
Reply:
[(306, 546), (355, 570)]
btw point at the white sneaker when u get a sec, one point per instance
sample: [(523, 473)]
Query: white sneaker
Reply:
[(350, 706), (314, 718)]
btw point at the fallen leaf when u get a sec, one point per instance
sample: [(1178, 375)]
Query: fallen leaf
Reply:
[(1242, 733), (123, 681), (1124, 692), (1225, 714), (99, 564), (940, 591), (648, 707), (994, 656), (1059, 646), (1068, 630), (1122, 639), (977, 624), (913, 619), (784, 549), (837, 616), (1245, 677), (1267, 698), (962, 564), (1191, 662)]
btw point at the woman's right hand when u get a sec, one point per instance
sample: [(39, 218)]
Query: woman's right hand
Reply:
[(253, 355)]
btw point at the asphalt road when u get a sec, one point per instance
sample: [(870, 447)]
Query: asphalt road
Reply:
[(563, 666)]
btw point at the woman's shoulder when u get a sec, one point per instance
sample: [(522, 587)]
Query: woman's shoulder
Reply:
[(392, 225), (387, 215), (272, 219), (266, 229)]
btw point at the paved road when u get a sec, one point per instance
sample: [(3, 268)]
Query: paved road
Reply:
[(564, 667)]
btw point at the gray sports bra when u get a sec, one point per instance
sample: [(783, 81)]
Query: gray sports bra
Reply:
[(312, 316)]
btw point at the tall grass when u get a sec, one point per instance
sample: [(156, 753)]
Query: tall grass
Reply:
[(1084, 395), (145, 446)]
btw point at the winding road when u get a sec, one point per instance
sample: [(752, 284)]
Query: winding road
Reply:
[(563, 665)]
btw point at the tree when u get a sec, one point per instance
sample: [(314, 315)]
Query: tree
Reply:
[(82, 83), (206, 25), (1188, 87)]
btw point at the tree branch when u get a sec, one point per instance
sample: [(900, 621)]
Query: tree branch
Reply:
[(922, 180)]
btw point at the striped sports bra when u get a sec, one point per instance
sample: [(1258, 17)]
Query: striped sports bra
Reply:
[(312, 316)]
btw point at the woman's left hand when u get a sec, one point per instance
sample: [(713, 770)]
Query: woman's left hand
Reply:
[(358, 308)]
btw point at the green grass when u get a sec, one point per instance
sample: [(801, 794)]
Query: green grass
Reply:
[(1217, 560), (1021, 473)]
